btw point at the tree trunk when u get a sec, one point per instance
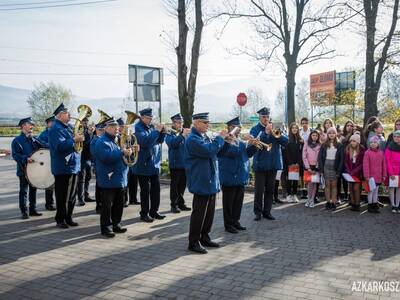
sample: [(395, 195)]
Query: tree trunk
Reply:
[(290, 93), (371, 90), (181, 59)]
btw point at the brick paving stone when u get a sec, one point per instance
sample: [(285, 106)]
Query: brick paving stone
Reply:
[(304, 254)]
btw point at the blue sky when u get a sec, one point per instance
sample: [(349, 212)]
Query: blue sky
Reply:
[(132, 29)]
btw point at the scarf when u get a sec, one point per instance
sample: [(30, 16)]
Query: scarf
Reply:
[(394, 146)]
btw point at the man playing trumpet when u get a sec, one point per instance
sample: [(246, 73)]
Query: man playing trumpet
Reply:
[(147, 168), (175, 140), (266, 162), (234, 165)]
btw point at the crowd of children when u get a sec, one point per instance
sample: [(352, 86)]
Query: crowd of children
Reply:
[(350, 158)]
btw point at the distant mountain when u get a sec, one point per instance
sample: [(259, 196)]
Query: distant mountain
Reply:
[(217, 98)]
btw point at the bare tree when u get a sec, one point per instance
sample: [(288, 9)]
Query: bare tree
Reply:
[(289, 33), (187, 77), (303, 107), (377, 49)]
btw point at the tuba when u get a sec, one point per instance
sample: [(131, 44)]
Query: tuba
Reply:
[(128, 140), (84, 112), (103, 116)]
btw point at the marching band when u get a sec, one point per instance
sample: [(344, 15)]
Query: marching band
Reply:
[(121, 159)]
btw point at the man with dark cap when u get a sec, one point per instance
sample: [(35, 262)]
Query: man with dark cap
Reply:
[(44, 140), (147, 168), (65, 165), (234, 165), (111, 174), (175, 140), (201, 166), (22, 148), (98, 133), (85, 174), (266, 162)]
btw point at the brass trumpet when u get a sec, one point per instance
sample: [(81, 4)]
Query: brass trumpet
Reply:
[(128, 140)]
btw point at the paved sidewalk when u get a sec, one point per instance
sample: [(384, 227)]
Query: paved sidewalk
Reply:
[(304, 254)]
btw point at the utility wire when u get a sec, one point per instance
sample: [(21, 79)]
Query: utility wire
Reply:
[(56, 5), (39, 3)]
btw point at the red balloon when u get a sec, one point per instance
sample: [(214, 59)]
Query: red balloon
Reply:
[(241, 99)]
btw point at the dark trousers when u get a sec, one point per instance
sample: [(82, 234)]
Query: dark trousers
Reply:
[(132, 187), (263, 194), (292, 187), (84, 177), (125, 195), (49, 197), (341, 181), (149, 194), (65, 190), (232, 202), (203, 208), (112, 206), (178, 186), (97, 195), (23, 195)]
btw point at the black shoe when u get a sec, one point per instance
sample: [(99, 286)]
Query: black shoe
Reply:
[(184, 208), (328, 205), (209, 243), (34, 213), (371, 208), (355, 207), (333, 206), (62, 225), (24, 216), (157, 216), (147, 219), (119, 229), (88, 199), (239, 227), (316, 200), (231, 229), (277, 200), (197, 247), (81, 203), (108, 234), (175, 210), (375, 207), (72, 223), (134, 203), (50, 207), (257, 218), (268, 217)]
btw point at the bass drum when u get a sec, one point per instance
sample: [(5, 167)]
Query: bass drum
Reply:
[(38, 173)]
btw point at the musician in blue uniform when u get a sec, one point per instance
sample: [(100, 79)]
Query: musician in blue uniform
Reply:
[(98, 133), (201, 167), (266, 162), (85, 174), (44, 140), (175, 140), (22, 148), (234, 165), (147, 168), (65, 165), (111, 172)]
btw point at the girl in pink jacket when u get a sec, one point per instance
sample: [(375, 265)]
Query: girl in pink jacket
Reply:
[(392, 155), (374, 166), (310, 160)]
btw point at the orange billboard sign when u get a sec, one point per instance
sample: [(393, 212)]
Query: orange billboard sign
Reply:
[(322, 88)]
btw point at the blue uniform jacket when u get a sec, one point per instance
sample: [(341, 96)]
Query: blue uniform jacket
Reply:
[(44, 138), (92, 148), (234, 164), (201, 163), (111, 171), (176, 149), (149, 157), (255, 130), (269, 160), (22, 147), (64, 159)]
